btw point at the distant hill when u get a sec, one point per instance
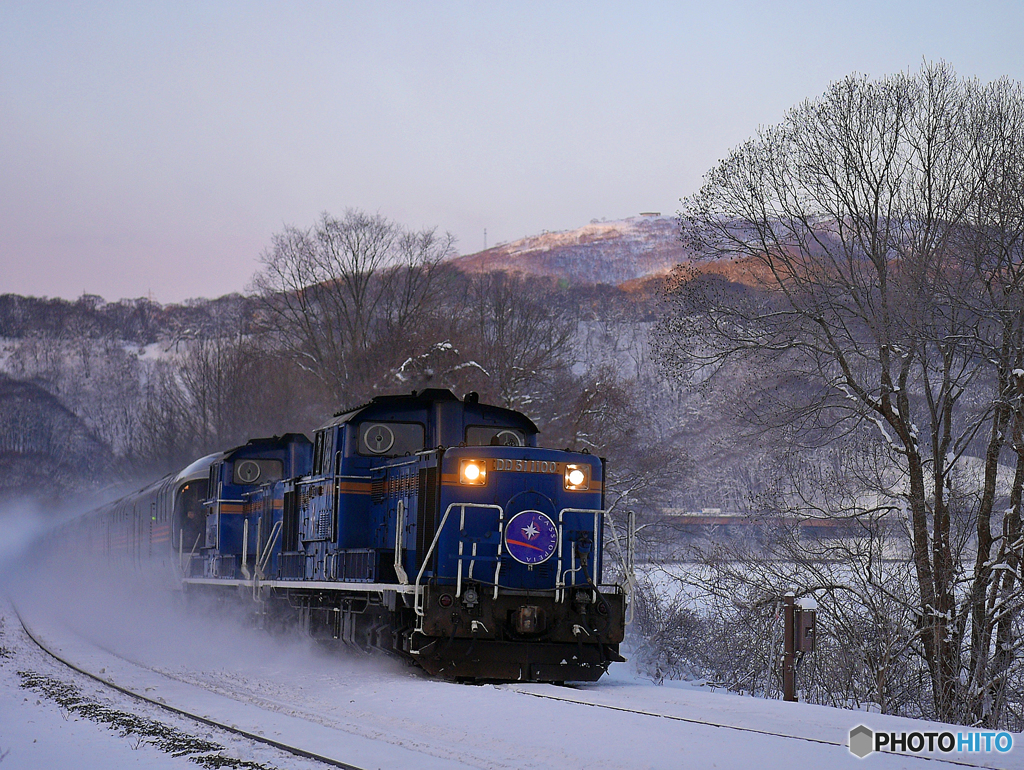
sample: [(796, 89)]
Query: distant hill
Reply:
[(139, 321), (601, 252), (45, 449)]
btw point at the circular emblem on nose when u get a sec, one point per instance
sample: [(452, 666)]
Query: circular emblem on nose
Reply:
[(531, 537)]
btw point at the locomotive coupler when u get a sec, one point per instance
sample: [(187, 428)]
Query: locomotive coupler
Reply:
[(581, 600), (529, 619)]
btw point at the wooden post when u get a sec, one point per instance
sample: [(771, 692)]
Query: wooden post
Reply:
[(789, 658)]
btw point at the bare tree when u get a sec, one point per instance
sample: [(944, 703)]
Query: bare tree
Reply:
[(520, 335), (864, 230), (218, 385), (349, 296)]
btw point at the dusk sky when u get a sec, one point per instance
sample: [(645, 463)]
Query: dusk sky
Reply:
[(155, 147)]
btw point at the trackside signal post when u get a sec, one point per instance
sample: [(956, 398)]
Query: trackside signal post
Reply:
[(799, 621)]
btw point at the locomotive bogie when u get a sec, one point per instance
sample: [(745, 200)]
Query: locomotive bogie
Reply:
[(468, 660), (584, 616)]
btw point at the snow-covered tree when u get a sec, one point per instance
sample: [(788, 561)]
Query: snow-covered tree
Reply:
[(873, 242)]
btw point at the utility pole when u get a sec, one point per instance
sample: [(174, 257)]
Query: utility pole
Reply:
[(800, 624), (789, 656)]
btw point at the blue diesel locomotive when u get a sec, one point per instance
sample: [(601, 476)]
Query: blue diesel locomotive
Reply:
[(421, 524)]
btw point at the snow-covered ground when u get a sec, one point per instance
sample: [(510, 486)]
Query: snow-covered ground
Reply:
[(42, 727), (371, 711)]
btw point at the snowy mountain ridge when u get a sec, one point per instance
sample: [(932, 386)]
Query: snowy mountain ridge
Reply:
[(601, 252)]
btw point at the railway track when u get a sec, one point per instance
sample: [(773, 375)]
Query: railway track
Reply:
[(723, 725), (676, 718), (376, 747), (219, 724)]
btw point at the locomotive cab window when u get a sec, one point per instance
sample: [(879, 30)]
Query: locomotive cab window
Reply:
[(326, 466), (494, 435), (318, 450), (324, 451), (390, 439), (256, 471)]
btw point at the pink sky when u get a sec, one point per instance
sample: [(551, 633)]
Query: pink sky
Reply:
[(156, 147)]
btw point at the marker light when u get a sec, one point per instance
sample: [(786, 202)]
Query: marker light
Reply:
[(472, 472), (577, 477)]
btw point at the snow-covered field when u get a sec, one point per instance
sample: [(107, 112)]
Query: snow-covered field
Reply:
[(368, 711)]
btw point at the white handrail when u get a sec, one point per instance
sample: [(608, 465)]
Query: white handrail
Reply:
[(403, 578), (501, 539), (264, 558), (192, 552), (559, 584), (245, 548), (417, 588)]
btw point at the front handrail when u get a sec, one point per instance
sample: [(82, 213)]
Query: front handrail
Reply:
[(626, 555), (559, 582), (418, 589)]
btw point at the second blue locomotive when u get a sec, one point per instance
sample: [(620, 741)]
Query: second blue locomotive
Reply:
[(422, 524)]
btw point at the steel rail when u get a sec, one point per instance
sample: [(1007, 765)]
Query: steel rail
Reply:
[(287, 748), (723, 726)]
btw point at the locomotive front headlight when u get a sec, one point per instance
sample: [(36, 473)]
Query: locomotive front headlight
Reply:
[(473, 472), (577, 477)]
